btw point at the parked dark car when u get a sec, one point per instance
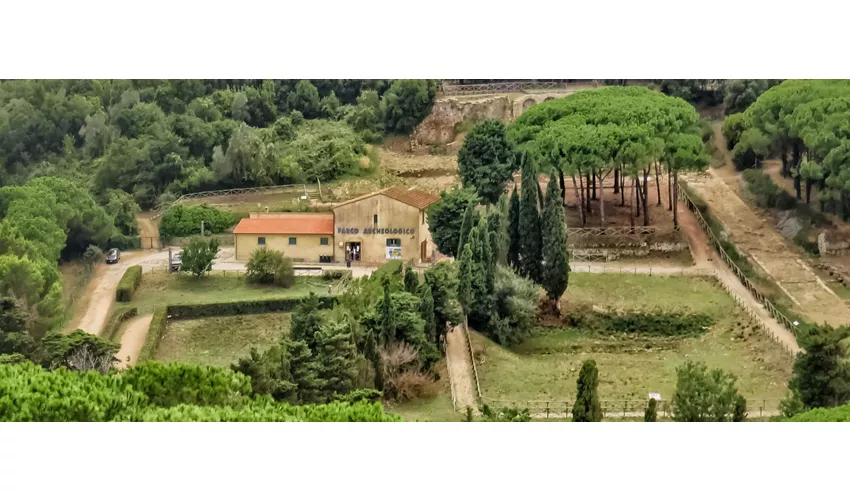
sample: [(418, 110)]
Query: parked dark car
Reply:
[(113, 256)]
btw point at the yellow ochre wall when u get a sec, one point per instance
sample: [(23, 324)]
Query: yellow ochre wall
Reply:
[(306, 249), (391, 214)]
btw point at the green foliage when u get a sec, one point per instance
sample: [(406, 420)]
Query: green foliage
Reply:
[(35, 284), (837, 414), (531, 241), (285, 304), (442, 279), (657, 323), (336, 274), (198, 255), (705, 396), (505, 414), (556, 269), (60, 349), (174, 384), (515, 301), (411, 280), (497, 222), (470, 221), (733, 127), (128, 284), (766, 192), (651, 413), (587, 407), (426, 309), (821, 374), (445, 219), (406, 103), (123, 209), (270, 266), (155, 332), (514, 234), (29, 393), (740, 94), (486, 160), (185, 220), (306, 320), (305, 99)]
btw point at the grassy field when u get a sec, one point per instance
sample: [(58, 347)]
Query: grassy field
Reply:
[(435, 409), (222, 340), (546, 366), (159, 288)]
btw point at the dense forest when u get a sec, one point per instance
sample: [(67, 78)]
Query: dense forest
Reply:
[(156, 139)]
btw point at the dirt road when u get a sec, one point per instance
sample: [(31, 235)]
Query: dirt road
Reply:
[(758, 238), (132, 339), (104, 282), (460, 370)]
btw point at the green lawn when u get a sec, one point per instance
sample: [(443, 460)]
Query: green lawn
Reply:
[(435, 409), (545, 367), (222, 340), (160, 288)]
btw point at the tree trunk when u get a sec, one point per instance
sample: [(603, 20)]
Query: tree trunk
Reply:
[(617, 181), (636, 187), (580, 200), (798, 186), (676, 205), (631, 209), (645, 197), (783, 155), (594, 185), (657, 184), (587, 194), (563, 187), (601, 200), (669, 191), (623, 189), (808, 190)]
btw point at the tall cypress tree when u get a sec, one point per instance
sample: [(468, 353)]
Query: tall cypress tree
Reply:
[(411, 280), (306, 321), (497, 220), (531, 243), (556, 272), (336, 360), (514, 243), (465, 272), (587, 407), (426, 310), (373, 354), (470, 219), (388, 329)]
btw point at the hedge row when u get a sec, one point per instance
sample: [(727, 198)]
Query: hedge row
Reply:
[(115, 322), (155, 332), (336, 274), (657, 323), (128, 284), (190, 311)]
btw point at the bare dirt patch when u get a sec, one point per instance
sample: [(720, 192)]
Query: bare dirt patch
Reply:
[(755, 236), (132, 340)]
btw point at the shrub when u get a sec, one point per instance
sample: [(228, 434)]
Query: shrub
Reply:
[(155, 332), (116, 320), (705, 396), (198, 255), (185, 220), (92, 255), (190, 311), (652, 323), (284, 275), (733, 126), (270, 266), (128, 284), (171, 384), (651, 413), (336, 274)]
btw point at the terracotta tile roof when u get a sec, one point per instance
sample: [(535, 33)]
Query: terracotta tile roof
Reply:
[(413, 197), (288, 224)]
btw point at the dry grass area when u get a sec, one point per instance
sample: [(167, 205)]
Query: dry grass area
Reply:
[(546, 366), (434, 409), (222, 340), (75, 276)]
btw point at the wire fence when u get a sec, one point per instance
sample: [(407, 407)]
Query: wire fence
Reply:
[(612, 231), (715, 242), (308, 190), (647, 270), (623, 408), (472, 357), (498, 87)]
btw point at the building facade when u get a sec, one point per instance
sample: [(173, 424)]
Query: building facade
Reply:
[(303, 237), (370, 229), (385, 225)]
